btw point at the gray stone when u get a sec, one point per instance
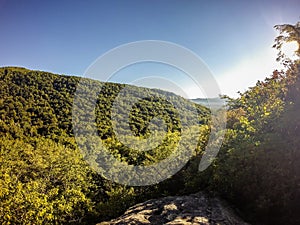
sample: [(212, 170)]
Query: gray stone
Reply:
[(180, 210)]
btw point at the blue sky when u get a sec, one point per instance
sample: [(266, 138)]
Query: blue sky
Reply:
[(233, 38)]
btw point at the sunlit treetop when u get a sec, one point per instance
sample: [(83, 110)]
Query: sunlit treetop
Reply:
[(288, 43)]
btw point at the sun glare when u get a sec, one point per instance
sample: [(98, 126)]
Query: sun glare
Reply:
[(289, 49)]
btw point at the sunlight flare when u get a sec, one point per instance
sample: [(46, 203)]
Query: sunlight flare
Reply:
[(290, 48)]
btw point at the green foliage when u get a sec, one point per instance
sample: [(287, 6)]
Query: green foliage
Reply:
[(44, 179), (258, 167), (42, 183), (120, 198)]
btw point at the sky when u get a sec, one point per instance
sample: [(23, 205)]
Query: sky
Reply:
[(233, 38)]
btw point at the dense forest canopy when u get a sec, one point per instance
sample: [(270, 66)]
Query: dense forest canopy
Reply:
[(36, 114), (45, 179)]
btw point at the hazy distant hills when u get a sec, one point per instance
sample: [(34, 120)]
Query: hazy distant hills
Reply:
[(210, 102)]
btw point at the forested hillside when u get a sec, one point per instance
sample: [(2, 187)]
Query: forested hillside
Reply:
[(44, 178)]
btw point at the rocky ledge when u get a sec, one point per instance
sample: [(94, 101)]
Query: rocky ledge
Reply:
[(192, 209)]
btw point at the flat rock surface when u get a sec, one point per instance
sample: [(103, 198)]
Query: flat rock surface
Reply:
[(192, 209)]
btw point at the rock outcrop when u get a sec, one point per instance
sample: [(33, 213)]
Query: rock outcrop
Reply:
[(192, 209)]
